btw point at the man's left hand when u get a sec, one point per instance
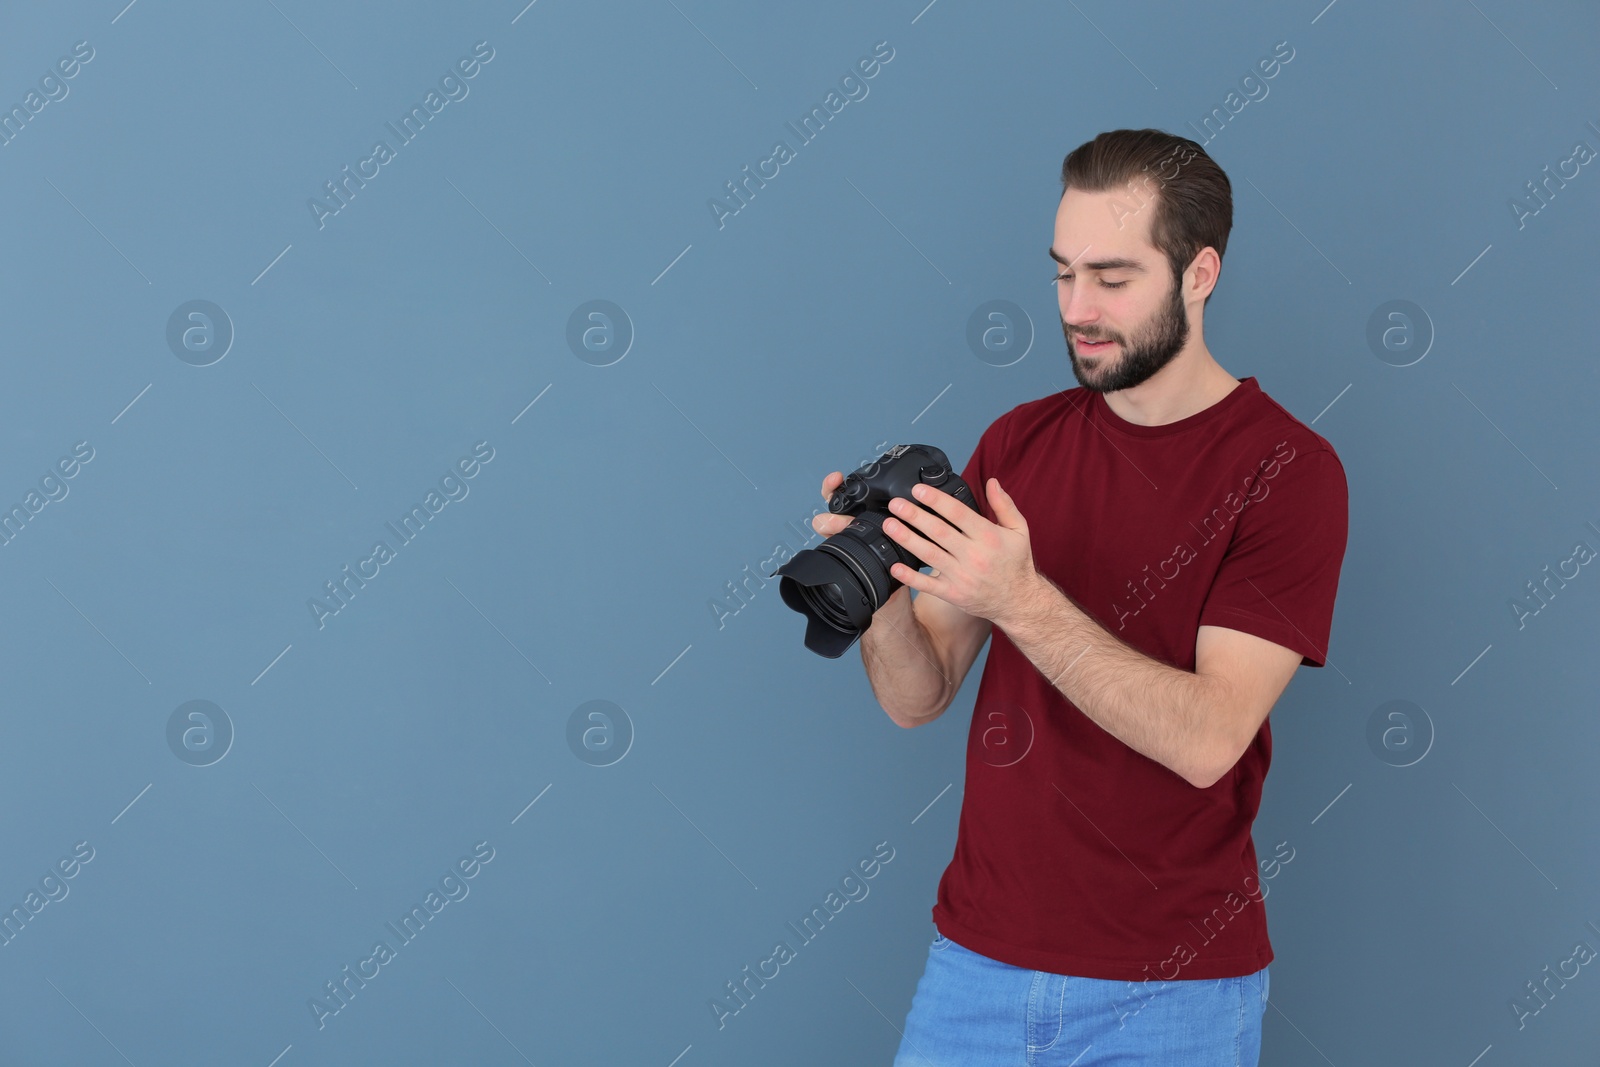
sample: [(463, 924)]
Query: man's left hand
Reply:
[(984, 568)]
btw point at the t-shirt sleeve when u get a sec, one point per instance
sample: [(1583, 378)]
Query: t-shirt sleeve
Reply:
[(1280, 572)]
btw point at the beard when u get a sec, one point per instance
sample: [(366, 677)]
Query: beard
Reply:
[(1155, 345)]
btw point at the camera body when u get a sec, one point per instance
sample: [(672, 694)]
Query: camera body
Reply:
[(840, 584)]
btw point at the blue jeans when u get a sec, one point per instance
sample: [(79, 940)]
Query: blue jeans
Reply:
[(978, 1012)]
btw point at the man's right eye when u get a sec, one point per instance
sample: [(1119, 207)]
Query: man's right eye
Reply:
[(1103, 285)]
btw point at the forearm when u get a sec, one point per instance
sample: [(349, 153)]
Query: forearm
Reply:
[(902, 664), (1152, 707)]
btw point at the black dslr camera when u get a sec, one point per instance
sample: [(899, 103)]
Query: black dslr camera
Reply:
[(840, 583)]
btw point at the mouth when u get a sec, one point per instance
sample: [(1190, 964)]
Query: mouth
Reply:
[(1088, 347)]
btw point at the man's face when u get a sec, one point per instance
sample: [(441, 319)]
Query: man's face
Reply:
[(1116, 288)]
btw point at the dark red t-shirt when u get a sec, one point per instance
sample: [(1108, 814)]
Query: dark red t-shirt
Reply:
[(1076, 854)]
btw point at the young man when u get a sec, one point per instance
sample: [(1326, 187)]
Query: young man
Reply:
[(1155, 553)]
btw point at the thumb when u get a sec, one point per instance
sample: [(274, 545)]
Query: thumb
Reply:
[(1005, 509)]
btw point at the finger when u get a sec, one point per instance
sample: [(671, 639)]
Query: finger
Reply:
[(829, 485), (827, 524), (922, 583), (1005, 509), (946, 507), (925, 523), (912, 540)]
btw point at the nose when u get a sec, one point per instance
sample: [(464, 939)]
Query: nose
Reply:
[(1077, 306)]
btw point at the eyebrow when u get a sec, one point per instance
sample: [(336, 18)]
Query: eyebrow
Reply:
[(1117, 263)]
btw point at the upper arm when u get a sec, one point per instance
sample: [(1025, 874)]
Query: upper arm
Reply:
[(1270, 606), (957, 637), (1249, 673), (1280, 573)]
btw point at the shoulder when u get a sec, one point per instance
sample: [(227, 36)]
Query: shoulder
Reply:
[(1269, 425), (1298, 467), (1030, 415)]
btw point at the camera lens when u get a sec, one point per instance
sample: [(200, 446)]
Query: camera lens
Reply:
[(840, 583), (828, 602)]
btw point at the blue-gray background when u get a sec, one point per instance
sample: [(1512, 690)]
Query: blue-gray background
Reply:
[(371, 353)]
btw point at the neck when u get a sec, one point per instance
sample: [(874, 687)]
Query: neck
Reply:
[(1190, 383)]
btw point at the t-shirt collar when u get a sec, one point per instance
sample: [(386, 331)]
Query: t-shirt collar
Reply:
[(1204, 417)]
